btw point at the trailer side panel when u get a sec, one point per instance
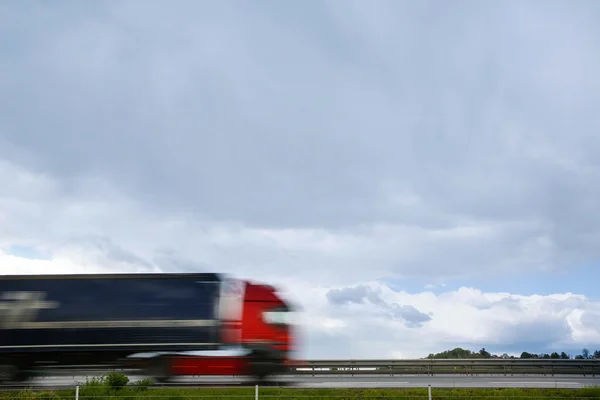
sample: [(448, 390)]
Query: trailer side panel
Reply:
[(128, 312)]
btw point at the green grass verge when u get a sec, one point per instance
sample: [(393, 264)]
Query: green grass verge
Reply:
[(117, 387), (307, 394)]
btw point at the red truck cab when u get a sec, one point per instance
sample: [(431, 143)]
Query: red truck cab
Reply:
[(253, 318), (255, 314)]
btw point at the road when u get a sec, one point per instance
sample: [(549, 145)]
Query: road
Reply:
[(368, 381)]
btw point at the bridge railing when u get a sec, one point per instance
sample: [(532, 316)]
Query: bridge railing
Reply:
[(449, 366)]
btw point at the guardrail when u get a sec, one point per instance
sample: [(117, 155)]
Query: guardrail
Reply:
[(449, 366)]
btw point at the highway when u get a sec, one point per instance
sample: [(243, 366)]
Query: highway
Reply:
[(365, 381)]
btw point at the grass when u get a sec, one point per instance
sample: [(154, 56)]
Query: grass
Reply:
[(307, 394), (115, 386)]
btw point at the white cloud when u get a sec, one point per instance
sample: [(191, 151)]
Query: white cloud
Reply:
[(465, 317)]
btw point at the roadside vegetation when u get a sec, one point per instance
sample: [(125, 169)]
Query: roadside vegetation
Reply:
[(116, 386)]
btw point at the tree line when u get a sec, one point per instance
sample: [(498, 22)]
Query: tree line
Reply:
[(483, 353)]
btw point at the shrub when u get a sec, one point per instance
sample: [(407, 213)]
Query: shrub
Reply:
[(142, 384), (116, 380)]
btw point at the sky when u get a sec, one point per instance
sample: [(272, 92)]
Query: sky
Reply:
[(416, 176)]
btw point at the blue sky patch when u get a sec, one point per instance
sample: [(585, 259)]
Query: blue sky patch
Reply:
[(28, 252), (577, 280)]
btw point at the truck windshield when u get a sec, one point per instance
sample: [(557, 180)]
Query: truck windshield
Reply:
[(281, 316)]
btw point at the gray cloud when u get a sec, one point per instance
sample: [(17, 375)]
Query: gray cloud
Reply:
[(146, 112), (538, 335), (157, 108), (591, 319), (170, 261), (485, 304), (413, 317), (358, 294), (108, 249), (287, 124)]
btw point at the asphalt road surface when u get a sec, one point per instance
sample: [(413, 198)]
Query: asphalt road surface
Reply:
[(365, 381)]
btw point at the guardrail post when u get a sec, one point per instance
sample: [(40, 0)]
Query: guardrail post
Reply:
[(256, 393), (429, 392), (77, 392)]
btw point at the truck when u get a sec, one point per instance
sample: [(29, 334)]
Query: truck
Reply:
[(155, 323)]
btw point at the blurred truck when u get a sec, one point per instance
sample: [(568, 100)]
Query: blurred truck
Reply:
[(114, 319)]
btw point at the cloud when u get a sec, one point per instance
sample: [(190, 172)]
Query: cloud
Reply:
[(327, 148), (358, 294), (93, 215), (355, 294), (466, 317)]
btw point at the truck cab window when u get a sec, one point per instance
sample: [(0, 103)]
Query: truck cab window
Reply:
[(280, 316)]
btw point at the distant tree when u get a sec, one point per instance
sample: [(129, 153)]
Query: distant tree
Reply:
[(585, 353), (460, 353), (454, 353)]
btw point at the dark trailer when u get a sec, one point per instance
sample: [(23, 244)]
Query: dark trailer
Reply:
[(93, 319)]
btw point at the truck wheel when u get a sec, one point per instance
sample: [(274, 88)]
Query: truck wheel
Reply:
[(8, 373), (159, 370), (265, 362)]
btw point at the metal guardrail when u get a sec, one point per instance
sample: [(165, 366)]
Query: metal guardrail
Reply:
[(449, 366)]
